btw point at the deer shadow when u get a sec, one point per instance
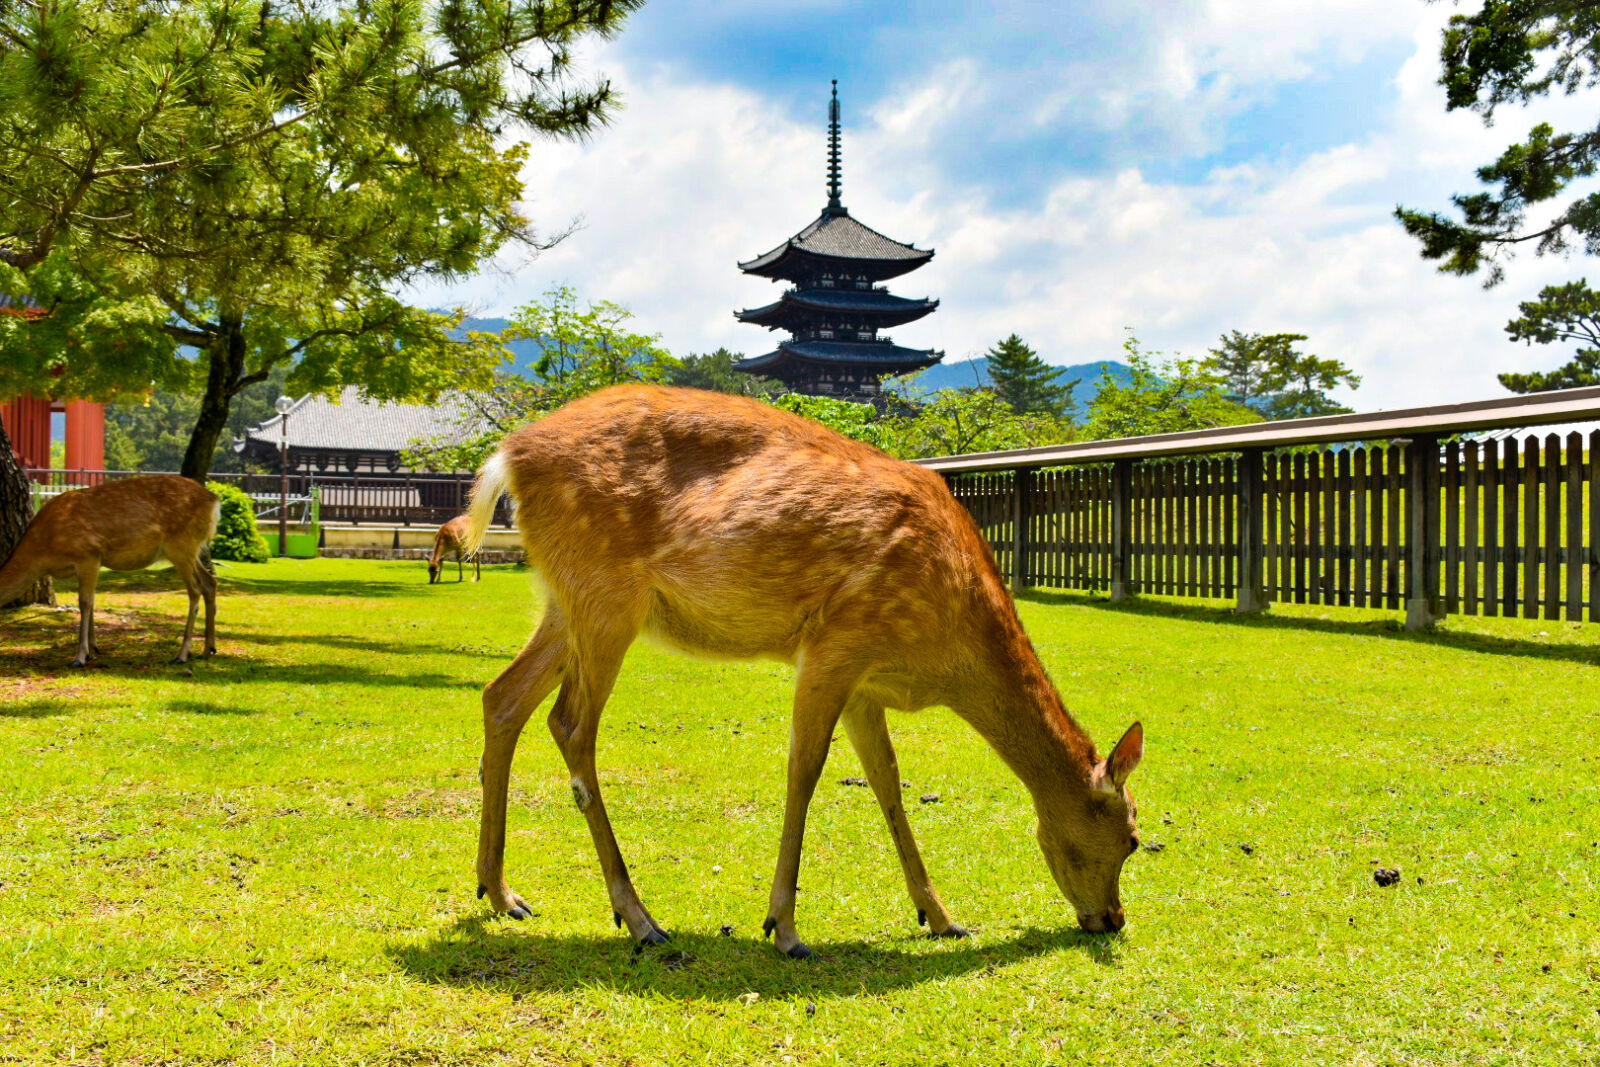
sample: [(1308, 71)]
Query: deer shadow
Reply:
[(1387, 629), (484, 951)]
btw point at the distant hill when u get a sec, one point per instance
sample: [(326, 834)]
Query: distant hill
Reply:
[(967, 373), (962, 374)]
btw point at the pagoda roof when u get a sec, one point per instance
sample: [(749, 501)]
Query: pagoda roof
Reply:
[(883, 308), (883, 356), (837, 239)]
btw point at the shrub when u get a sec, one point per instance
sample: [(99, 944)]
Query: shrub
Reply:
[(237, 536)]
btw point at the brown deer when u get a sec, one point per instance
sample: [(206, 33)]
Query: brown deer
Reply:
[(449, 540), (729, 528), (125, 526)]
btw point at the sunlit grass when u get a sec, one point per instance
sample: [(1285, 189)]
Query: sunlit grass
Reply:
[(271, 861)]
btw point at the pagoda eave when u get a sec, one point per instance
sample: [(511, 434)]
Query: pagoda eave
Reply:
[(790, 263), (873, 308), (878, 356)]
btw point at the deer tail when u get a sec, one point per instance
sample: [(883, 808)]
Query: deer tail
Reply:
[(494, 478)]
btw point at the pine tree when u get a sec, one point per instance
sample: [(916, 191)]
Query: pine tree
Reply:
[(1026, 382)]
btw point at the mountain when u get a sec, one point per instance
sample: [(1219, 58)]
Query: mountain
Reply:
[(967, 373), (964, 374)]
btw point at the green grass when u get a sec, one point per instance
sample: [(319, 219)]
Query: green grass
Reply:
[(271, 861)]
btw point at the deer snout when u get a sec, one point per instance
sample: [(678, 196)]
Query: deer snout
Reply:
[(1111, 920)]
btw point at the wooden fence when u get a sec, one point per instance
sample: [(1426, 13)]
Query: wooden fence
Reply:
[(1431, 524), (376, 499)]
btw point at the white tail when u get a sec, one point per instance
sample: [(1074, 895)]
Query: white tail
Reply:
[(124, 526), (493, 480), (729, 528)]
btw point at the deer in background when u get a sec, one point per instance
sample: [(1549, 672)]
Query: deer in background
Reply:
[(729, 528), (124, 526), (449, 540)]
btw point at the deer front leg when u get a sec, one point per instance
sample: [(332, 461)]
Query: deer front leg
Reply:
[(869, 735), (88, 573), (508, 702), (574, 723), (817, 704), (208, 589)]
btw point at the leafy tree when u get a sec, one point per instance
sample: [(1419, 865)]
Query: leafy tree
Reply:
[(238, 537), (1266, 373), (254, 179), (581, 350), (1161, 396), (1569, 312), (854, 420), (152, 432), (714, 371), (1026, 382), (957, 421), (1515, 51)]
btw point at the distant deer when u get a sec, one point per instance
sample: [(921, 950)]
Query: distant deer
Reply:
[(730, 528), (449, 540), (125, 526)]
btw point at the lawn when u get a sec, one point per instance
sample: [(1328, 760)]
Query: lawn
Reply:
[(271, 860)]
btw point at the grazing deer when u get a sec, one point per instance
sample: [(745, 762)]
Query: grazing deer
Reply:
[(125, 526), (729, 528), (448, 540)]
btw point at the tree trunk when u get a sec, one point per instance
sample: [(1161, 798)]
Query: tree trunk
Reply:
[(226, 356), (16, 511)]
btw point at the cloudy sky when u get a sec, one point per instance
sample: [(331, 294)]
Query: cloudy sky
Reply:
[(1177, 168)]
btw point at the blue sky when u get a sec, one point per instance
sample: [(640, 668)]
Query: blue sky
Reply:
[(1174, 169)]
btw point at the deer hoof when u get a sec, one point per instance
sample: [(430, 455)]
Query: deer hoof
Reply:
[(654, 936), (798, 951), (520, 911), (954, 930), (78, 663)]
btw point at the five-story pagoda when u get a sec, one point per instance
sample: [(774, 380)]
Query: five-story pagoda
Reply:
[(836, 307)]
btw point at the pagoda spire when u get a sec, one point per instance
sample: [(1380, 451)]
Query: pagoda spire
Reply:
[(834, 206)]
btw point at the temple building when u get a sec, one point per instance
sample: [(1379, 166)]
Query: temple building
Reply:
[(836, 306)]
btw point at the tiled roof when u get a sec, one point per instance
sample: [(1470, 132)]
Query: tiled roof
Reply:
[(872, 305), (880, 354), (837, 235), (356, 424)]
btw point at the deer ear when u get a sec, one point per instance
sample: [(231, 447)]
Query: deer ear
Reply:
[(1126, 756)]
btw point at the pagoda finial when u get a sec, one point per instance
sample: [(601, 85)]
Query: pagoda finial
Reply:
[(833, 151)]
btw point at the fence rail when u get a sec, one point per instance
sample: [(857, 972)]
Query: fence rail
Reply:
[(377, 499), (1429, 523)]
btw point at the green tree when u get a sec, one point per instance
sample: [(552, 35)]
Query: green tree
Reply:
[(957, 421), (1268, 374), (151, 432), (1161, 396), (1569, 312), (714, 371), (1517, 51), (581, 350), (1026, 382), (255, 179)]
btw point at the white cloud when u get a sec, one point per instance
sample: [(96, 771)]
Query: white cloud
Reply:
[(695, 176)]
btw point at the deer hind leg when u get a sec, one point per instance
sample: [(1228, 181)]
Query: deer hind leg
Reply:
[(187, 570), (88, 573), (508, 702), (869, 735), (820, 696), (208, 589), (575, 723), (458, 566)]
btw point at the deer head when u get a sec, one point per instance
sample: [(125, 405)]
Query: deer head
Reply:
[(433, 574), (1087, 834)]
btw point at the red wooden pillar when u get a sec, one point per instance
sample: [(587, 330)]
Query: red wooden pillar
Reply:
[(27, 423), (86, 437)]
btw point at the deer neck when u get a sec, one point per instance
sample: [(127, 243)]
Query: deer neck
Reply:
[(1015, 707)]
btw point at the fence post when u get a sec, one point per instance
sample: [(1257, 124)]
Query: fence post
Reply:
[(1423, 606), (1021, 503), (1121, 528), (1252, 596)]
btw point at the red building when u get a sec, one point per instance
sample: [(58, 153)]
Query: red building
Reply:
[(27, 419), (27, 422)]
